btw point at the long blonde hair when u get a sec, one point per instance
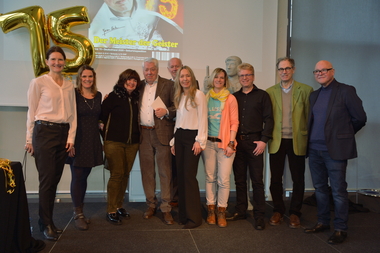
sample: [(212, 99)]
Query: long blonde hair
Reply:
[(178, 89)]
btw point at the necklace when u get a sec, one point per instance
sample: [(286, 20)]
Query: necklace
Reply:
[(93, 103)]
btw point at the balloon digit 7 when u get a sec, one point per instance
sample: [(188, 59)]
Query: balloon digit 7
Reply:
[(32, 18)]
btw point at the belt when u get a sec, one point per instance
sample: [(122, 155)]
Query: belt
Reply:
[(48, 123), (147, 127), (244, 137), (214, 139)]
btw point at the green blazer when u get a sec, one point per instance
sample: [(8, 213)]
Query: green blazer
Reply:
[(300, 112)]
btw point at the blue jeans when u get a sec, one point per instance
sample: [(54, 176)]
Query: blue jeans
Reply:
[(323, 168)]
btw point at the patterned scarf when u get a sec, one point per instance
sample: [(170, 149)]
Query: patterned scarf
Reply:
[(121, 92), (221, 96)]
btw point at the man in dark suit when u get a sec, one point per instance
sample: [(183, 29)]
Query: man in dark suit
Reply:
[(336, 115), (174, 64), (156, 131)]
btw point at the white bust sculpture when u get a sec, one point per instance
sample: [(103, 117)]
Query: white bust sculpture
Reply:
[(231, 68)]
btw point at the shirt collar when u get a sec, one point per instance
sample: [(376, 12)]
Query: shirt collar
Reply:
[(286, 90), (154, 83)]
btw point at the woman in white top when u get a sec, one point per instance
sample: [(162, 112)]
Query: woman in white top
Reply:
[(188, 142), (223, 122), (51, 128)]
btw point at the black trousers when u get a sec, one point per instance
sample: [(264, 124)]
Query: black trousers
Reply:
[(297, 171), (174, 182), (189, 200), (245, 158), (49, 144)]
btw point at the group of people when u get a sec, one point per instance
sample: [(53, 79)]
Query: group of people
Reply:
[(173, 123)]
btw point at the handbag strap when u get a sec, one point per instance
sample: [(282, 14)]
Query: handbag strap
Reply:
[(24, 164), (108, 123)]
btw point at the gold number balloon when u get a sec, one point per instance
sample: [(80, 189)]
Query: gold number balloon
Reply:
[(32, 18), (59, 23), (58, 26)]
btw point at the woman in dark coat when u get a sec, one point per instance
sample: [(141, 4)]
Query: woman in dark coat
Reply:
[(121, 136)]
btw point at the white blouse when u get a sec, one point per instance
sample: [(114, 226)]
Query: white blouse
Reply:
[(50, 102), (193, 118)]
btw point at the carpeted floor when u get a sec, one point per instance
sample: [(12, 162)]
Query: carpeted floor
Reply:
[(139, 235)]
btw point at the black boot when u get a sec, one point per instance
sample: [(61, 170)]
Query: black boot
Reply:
[(48, 232)]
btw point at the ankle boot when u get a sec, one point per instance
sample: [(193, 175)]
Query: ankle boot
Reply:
[(79, 219), (211, 219), (88, 221), (222, 222)]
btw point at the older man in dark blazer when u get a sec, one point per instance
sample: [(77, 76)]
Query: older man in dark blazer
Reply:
[(156, 131), (336, 115)]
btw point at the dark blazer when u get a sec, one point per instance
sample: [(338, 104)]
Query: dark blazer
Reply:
[(345, 117), (164, 127)]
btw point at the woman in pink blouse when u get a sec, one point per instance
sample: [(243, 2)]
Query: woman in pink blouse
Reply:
[(51, 128)]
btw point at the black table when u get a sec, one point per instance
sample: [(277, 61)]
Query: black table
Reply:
[(15, 234)]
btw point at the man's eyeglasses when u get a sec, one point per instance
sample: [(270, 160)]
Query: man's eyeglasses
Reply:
[(246, 75), (284, 69), (321, 71)]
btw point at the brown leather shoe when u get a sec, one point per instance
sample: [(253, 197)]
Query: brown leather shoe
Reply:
[(276, 219), (168, 218), (149, 213), (211, 219), (294, 221), (222, 223)]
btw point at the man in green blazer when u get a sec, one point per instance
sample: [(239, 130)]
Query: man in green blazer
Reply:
[(290, 102)]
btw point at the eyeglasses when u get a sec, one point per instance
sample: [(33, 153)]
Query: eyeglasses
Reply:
[(285, 69), (246, 75), (322, 71)]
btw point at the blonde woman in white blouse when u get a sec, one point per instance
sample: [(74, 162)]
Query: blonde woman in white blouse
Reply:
[(189, 140)]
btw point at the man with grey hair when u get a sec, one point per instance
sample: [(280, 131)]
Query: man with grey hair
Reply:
[(290, 100), (174, 64), (231, 68), (156, 131)]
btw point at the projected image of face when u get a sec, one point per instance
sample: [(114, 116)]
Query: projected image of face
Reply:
[(150, 72), (145, 26), (121, 8)]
